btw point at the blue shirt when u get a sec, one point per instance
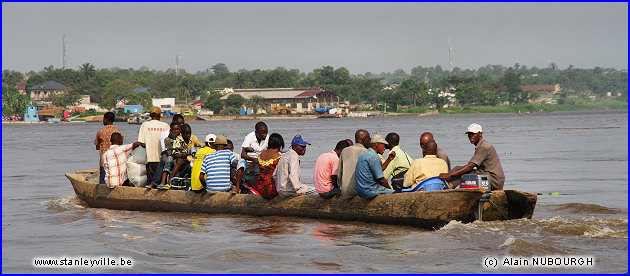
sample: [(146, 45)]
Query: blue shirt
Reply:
[(367, 173), (216, 166)]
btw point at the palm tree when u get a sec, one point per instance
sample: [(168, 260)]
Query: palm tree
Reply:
[(88, 71)]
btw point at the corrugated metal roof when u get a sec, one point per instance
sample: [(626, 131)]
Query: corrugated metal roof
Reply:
[(49, 85), (276, 93)]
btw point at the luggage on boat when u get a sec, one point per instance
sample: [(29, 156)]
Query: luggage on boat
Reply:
[(429, 184), (136, 167)]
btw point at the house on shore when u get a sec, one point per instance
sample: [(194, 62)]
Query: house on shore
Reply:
[(43, 91), (299, 100), (547, 93)]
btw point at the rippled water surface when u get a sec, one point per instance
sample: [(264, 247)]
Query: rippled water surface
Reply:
[(582, 156)]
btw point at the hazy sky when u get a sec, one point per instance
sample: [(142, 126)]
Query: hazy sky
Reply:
[(363, 37)]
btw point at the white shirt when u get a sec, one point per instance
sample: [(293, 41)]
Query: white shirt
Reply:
[(163, 136), (251, 141), (150, 135)]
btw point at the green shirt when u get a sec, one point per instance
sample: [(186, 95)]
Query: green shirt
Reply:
[(401, 163)]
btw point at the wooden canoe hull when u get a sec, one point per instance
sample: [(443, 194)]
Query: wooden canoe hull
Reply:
[(422, 209)]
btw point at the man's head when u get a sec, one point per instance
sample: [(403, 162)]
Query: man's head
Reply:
[(425, 137), (221, 143), (393, 139), (378, 144), (261, 131), (340, 146), (109, 118), (210, 138), (155, 112), (178, 118), (475, 133), (175, 128), (349, 142), (116, 138), (186, 132), (362, 137), (275, 141), (430, 148), (230, 145), (299, 145)]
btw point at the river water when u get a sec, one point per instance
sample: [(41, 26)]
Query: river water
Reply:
[(582, 156)]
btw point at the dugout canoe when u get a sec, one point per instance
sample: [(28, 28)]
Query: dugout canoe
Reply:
[(422, 209)]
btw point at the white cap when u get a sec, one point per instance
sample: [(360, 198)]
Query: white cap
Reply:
[(378, 139), (474, 128), (210, 138)]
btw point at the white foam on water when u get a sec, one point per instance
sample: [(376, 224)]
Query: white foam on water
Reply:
[(452, 225), (70, 202), (508, 242), (606, 232)]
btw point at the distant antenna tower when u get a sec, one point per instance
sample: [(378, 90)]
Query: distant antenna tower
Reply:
[(177, 65), (63, 58), (449, 54)]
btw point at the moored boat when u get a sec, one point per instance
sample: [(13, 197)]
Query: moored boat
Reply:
[(422, 209)]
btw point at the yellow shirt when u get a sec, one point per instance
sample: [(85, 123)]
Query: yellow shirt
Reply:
[(423, 168), (195, 183)]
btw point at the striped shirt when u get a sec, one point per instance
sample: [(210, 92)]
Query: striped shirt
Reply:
[(115, 163), (216, 166)]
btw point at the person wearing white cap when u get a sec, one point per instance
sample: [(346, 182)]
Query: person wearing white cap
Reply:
[(485, 159), (195, 182), (369, 171)]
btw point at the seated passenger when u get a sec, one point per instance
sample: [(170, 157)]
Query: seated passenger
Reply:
[(268, 160), (181, 148), (325, 171), (166, 158), (248, 164), (115, 161), (233, 169), (423, 168), (215, 169), (485, 159), (195, 184), (369, 171), (288, 171)]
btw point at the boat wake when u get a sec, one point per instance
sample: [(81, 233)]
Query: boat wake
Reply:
[(71, 202)]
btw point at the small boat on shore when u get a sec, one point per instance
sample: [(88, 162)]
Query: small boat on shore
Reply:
[(138, 118), (422, 209)]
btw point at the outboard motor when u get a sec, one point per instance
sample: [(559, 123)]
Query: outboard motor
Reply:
[(471, 181)]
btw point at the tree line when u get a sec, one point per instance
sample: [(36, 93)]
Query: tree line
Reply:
[(488, 85)]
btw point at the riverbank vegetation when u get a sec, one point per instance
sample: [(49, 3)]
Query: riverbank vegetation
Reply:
[(492, 88)]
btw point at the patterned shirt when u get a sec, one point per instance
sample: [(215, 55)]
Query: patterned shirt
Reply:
[(103, 140), (115, 163), (216, 166), (181, 146)]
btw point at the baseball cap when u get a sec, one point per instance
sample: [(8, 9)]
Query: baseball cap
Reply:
[(155, 110), (297, 140), (379, 139), (220, 140), (210, 138), (474, 128)]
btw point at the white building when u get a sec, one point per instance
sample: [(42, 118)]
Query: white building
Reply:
[(164, 103)]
